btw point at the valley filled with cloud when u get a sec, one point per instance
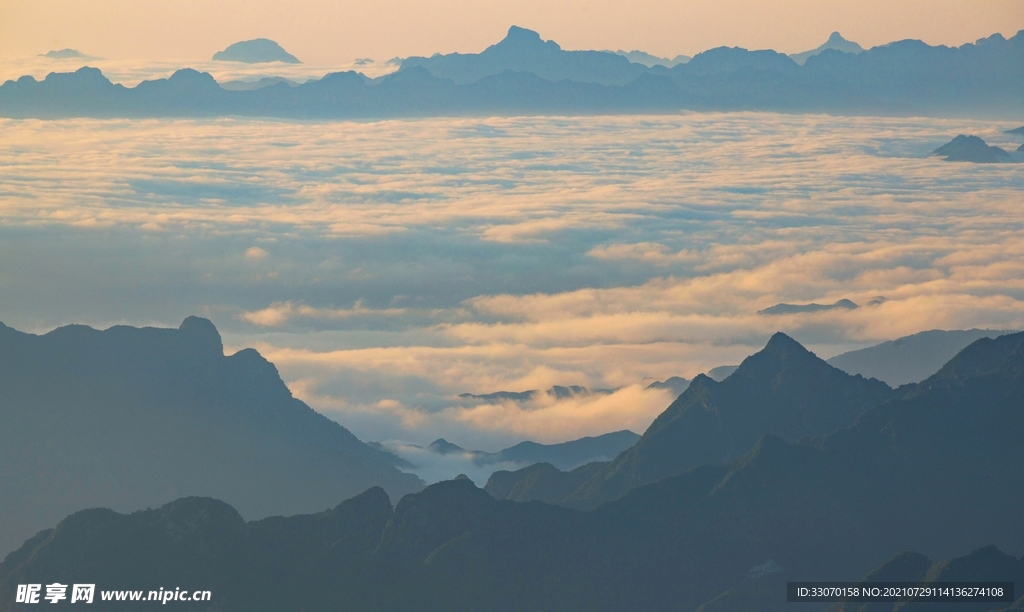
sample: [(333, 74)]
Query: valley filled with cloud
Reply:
[(386, 267)]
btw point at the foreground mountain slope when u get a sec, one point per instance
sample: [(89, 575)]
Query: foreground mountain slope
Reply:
[(784, 390), (935, 470), (128, 418)]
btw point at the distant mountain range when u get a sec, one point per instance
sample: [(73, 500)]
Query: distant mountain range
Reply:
[(932, 468), (800, 308), (256, 51), (524, 74), (909, 359), (642, 57), (555, 392), (973, 149), (131, 418), (835, 42), (564, 455)]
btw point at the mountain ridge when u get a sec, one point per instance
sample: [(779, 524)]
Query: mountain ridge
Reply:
[(133, 417)]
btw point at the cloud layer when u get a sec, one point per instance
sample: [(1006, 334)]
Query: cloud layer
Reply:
[(386, 267)]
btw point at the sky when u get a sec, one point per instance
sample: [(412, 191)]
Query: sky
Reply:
[(331, 33), (386, 267)]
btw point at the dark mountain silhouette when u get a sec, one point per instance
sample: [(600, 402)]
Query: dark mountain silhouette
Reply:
[(783, 390), (556, 392), (835, 42), (523, 50), (935, 469), (256, 51), (563, 455), (1019, 130), (540, 482), (128, 418), (904, 78), (971, 149), (799, 308), (909, 359)]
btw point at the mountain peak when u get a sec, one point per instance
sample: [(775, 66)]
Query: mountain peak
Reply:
[(836, 37), (202, 333), (781, 343), (518, 37), (256, 51)]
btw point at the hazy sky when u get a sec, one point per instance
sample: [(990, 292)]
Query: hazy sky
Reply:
[(324, 31)]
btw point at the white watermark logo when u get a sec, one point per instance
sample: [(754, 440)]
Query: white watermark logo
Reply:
[(84, 593)]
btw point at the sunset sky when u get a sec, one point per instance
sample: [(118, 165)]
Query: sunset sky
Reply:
[(322, 31)]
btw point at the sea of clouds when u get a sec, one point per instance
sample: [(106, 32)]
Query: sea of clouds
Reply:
[(386, 267)]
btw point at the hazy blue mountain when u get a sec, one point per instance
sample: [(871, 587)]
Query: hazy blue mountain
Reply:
[(909, 359), (641, 57), (674, 384), (904, 78), (838, 507), (257, 84), (256, 51), (835, 42), (799, 308), (65, 54), (1019, 130), (131, 418), (563, 455), (971, 149), (722, 372), (523, 50)]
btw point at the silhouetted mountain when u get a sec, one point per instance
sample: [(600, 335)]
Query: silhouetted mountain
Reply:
[(641, 57), (903, 78), (568, 455), (523, 50), (257, 84), (128, 418), (539, 482), (256, 51), (909, 359), (799, 308), (563, 455), (674, 384), (65, 54), (935, 469), (835, 42), (556, 392), (783, 390), (971, 149), (1019, 130), (722, 372)]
